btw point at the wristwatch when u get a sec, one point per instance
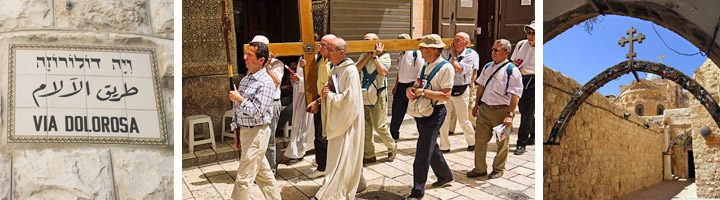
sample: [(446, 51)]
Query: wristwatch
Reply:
[(511, 114), (375, 57)]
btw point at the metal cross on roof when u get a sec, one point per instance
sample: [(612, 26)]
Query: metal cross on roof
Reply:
[(661, 57), (630, 40)]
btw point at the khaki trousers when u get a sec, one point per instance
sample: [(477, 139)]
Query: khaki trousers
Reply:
[(457, 105), (253, 163), (376, 119), (486, 120)]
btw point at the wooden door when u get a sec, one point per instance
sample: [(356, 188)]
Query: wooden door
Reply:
[(456, 16)]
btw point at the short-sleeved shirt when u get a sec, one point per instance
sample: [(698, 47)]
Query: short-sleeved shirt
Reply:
[(443, 79), (526, 53), (495, 93), (370, 67), (409, 65), (323, 72), (468, 60), (277, 67)]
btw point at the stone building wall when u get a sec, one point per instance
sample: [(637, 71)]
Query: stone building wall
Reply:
[(601, 155), (87, 171), (707, 156), (677, 121)]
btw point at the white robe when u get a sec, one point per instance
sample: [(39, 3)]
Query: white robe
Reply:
[(343, 124), (303, 128)]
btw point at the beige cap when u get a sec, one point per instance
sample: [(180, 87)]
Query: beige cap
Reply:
[(260, 38), (432, 41), (530, 26)]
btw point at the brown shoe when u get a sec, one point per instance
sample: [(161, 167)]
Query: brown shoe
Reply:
[(473, 174), (392, 154), (369, 160)]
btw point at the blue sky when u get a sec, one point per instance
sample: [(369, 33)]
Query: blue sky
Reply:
[(582, 55)]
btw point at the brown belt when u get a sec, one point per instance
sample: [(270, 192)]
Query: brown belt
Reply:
[(498, 106)]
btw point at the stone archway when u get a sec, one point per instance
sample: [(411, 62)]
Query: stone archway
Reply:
[(696, 21), (620, 69)]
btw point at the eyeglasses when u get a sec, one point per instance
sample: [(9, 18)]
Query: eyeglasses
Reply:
[(495, 49), (531, 33)]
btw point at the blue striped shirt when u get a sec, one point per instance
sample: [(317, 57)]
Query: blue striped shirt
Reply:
[(258, 89)]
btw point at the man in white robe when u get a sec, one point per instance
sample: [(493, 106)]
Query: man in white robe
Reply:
[(302, 125), (343, 125)]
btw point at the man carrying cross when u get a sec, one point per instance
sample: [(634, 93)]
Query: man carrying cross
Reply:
[(275, 69), (343, 115), (464, 61), (374, 68), (323, 73)]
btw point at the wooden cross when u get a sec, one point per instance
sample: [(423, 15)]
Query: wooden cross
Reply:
[(661, 57), (631, 55), (307, 48)]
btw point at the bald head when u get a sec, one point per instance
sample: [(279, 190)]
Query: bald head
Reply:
[(371, 36), (464, 35), (337, 50), (461, 40), (324, 42)]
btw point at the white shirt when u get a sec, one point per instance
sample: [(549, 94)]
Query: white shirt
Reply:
[(277, 66), (470, 60), (495, 93), (409, 66), (526, 53), (443, 79)]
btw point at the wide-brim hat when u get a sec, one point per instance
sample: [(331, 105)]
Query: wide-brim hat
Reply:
[(530, 26), (432, 41), (404, 36), (260, 38)]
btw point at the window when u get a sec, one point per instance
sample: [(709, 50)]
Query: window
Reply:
[(639, 110), (660, 109)]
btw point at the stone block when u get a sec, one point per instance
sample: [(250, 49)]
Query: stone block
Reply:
[(143, 174), (5, 176), (103, 15), (52, 174), (24, 15)]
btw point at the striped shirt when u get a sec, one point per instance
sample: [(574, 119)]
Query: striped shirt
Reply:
[(258, 89)]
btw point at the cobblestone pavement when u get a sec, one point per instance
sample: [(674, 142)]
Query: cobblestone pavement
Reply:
[(385, 180)]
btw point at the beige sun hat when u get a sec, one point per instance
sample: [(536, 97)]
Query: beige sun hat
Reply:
[(260, 38), (432, 41), (404, 36), (531, 26)]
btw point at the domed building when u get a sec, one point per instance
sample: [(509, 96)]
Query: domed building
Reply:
[(652, 96)]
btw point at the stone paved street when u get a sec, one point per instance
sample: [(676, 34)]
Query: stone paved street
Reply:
[(385, 180)]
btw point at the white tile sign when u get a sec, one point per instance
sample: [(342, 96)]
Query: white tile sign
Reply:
[(84, 94)]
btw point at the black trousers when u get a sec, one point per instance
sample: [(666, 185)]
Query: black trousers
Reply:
[(399, 108), (428, 152), (320, 142), (526, 133)]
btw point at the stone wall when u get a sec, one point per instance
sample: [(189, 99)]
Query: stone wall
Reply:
[(88, 171), (601, 155), (707, 160)]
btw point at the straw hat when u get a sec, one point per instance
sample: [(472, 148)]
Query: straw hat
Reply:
[(432, 41)]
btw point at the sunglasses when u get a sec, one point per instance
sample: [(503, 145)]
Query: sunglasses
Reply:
[(531, 33), (495, 49)]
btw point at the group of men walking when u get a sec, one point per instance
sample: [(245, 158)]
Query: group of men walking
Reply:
[(352, 104)]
